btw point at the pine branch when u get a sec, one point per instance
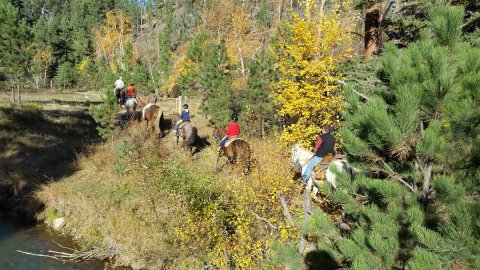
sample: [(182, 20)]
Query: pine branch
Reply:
[(393, 174)]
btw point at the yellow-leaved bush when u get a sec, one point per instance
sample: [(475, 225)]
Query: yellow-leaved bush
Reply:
[(238, 228), (307, 94)]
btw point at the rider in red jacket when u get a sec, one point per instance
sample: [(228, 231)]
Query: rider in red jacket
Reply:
[(233, 130)]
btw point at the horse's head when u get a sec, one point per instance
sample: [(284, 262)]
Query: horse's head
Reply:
[(300, 156), (141, 102), (175, 118)]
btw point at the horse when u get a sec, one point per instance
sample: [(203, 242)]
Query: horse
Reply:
[(131, 105), (301, 156), (120, 95), (186, 130), (152, 115), (238, 151)]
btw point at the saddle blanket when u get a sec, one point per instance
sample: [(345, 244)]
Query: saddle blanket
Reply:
[(232, 140), (182, 124), (147, 108)]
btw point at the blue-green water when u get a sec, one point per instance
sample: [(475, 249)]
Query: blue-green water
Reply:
[(17, 234)]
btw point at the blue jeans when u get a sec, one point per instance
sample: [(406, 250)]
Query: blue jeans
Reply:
[(223, 141), (311, 164)]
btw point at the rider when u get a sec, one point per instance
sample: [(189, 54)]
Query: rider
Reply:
[(119, 84), (130, 91), (152, 98), (184, 117), (233, 130), (325, 145)]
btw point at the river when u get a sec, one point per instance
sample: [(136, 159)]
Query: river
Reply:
[(17, 234)]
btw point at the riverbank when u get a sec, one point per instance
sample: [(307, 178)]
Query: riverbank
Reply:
[(35, 149), (145, 203), (17, 233), (151, 206)]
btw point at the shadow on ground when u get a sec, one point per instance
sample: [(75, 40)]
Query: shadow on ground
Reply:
[(320, 260), (36, 149)]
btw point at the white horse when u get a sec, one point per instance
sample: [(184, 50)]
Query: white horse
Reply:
[(131, 105), (300, 158)]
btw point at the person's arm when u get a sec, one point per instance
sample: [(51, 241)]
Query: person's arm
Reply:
[(318, 144)]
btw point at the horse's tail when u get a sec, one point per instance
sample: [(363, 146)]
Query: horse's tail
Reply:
[(191, 137)]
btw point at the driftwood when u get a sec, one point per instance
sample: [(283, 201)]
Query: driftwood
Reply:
[(72, 255)]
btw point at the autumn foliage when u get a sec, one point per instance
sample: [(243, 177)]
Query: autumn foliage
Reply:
[(308, 95)]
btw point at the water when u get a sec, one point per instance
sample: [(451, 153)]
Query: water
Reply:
[(35, 238)]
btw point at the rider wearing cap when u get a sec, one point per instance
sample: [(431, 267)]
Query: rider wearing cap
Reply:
[(184, 117), (233, 130)]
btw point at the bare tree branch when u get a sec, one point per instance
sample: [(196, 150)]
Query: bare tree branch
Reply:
[(396, 176)]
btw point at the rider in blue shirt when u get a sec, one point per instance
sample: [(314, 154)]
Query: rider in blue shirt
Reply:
[(184, 117)]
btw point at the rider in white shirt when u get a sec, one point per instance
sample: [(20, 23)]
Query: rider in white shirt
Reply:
[(119, 84)]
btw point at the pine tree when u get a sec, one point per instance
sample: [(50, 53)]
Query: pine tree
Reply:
[(416, 209), (255, 101), (15, 53), (214, 74)]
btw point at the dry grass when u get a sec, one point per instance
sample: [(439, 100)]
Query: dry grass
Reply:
[(35, 149), (133, 196)]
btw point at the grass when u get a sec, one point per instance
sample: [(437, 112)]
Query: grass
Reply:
[(154, 206), (36, 149)]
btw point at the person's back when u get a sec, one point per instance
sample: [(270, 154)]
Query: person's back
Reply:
[(185, 116), (327, 145), (131, 90), (233, 130)]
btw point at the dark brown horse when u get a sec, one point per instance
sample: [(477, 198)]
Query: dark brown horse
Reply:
[(120, 95), (186, 130), (237, 152), (152, 115)]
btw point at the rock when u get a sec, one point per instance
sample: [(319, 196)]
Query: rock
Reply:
[(58, 223)]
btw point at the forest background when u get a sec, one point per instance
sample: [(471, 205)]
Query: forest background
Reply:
[(390, 76)]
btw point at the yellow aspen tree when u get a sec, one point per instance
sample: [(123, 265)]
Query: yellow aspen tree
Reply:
[(111, 37), (242, 41), (307, 94)]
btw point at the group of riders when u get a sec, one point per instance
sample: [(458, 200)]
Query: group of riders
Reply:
[(233, 129), (122, 95), (325, 144)]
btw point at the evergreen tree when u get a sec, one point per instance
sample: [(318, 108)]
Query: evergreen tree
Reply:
[(217, 101), (413, 211), (15, 53), (255, 100)]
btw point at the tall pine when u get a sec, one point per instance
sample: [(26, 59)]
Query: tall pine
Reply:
[(14, 46), (417, 207)]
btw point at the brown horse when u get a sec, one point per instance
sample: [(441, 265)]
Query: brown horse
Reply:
[(152, 115), (238, 151), (187, 131), (120, 95)]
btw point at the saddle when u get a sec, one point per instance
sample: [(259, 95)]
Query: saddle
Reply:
[(232, 139), (148, 108), (181, 125), (320, 168)]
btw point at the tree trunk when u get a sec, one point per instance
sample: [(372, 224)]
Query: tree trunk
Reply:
[(302, 244), (13, 94), (19, 99), (372, 29), (238, 39), (427, 175)]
